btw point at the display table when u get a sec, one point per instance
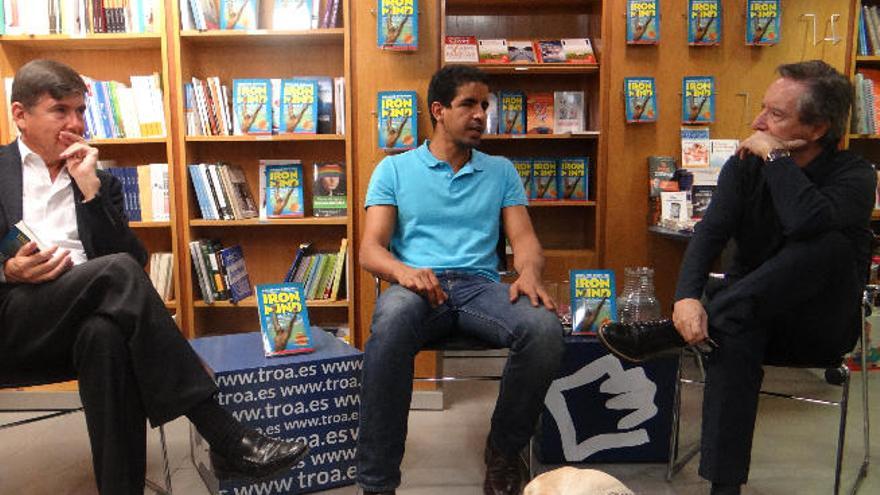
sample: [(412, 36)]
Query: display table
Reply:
[(313, 397), (603, 409)]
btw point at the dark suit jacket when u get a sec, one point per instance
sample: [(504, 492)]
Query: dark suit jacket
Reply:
[(102, 224)]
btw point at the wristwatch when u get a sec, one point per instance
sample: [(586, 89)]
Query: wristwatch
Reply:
[(776, 154)]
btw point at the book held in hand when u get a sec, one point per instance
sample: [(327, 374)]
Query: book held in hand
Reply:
[(284, 319), (19, 235), (593, 300)]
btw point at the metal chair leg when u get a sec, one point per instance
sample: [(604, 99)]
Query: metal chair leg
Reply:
[(676, 421), (166, 490), (841, 432)]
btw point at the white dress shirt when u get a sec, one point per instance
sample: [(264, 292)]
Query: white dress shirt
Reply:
[(49, 207)]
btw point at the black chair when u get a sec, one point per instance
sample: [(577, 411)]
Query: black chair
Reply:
[(836, 373), (14, 402)]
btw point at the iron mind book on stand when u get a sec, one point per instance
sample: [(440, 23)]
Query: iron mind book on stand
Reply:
[(593, 300), (284, 319)]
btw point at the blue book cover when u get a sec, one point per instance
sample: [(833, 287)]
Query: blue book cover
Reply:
[(574, 178), (238, 14), (398, 117), (237, 280), (19, 235), (704, 22), (641, 99), (642, 22), (523, 167), (545, 178), (397, 25), (593, 300), (284, 319), (512, 112), (283, 188), (698, 100), (299, 106), (251, 106), (763, 22)]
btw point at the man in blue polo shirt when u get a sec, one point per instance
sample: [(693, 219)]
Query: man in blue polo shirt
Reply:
[(432, 224)]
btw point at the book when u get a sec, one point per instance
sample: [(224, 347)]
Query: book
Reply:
[(523, 167), (284, 319), (298, 258), (549, 52), (574, 178), (694, 147), (568, 111), (701, 196), (461, 50), (578, 51), (544, 179), (704, 22), (398, 117), (539, 112), (299, 106), (242, 199), (762, 22), (661, 172), (721, 151), (292, 15), (283, 192), (593, 300), (642, 22), (398, 25), (329, 197), (206, 14), (698, 100), (492, 51), (339, 270), (675, 211), (238, 14), (492, 114), (521, 52), (237, 278), (641, 99), (511, 111), (19, 235), (252, 108)]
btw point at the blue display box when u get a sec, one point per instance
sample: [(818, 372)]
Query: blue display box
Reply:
[(312, 397), (602, 409)]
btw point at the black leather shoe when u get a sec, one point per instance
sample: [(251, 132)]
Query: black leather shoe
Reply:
[(504, 474), (636, 342), (257, 457)]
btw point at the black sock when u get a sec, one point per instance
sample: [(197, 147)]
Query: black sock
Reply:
[(722, 489), (216, 425)]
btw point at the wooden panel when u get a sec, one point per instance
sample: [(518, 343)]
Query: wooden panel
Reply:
[(739, 71)]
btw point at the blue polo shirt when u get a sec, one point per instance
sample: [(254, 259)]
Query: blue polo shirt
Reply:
[(446, 221)]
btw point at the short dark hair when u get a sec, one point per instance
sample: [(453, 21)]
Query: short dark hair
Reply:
[(446, 81), (40, 77), (828, 98)]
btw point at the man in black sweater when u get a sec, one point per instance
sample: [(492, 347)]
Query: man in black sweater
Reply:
[(798, 210)]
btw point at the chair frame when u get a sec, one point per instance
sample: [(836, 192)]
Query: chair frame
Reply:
[(56, 411), (834, 376)]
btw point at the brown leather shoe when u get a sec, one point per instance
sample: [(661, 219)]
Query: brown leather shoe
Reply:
[(504, 474)]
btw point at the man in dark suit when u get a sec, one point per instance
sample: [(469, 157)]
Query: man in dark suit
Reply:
[(85, 308)]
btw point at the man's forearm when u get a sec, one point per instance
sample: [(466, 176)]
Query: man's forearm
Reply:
[(528, 259), (381, 263)]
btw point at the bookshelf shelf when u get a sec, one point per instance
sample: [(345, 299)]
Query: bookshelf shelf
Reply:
[(510, 7), (274, 137), (263, 37), (101, 41), (251, 303), (533, 69), (538, 137), (272, 222), (149, 225), (115, 141)]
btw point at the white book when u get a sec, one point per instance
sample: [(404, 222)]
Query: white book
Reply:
[(187, 23), (568, 111), (128, 109), (159, 192), (339, 104), (694, 147), (293, 15)]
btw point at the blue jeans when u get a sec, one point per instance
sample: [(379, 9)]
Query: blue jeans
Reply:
[(404, 322)]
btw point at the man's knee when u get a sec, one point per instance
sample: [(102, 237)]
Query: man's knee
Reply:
[(542, 333), (98, 336), (398, 305)]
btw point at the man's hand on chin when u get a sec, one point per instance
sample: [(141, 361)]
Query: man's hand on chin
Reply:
[(81, 161), (760, 143)]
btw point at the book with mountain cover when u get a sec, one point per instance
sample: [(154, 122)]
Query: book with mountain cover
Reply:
[(398, 120), (329, 198), (299, 106), (573, 178), (284, 319), (704, 22), (643, 22), (397, 25), (641, 99), (593, 300), (544, 179), (252, 106), (283, 188)]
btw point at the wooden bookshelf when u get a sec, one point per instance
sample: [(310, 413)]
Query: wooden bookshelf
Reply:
[(268, 245)]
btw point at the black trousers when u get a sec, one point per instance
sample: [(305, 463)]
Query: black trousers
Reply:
[(800, 307), (103, 323)]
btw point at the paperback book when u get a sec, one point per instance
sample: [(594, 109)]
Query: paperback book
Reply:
[(237, 280), (328, 192), (661, 172), (593, 300), (292, 15), (282, 188), (578, 51), (299, 106), (694, 147), (701, 196), (573, 178), (512, 115), (19, 235), (568, 110), (642, 22), (521, 52), (493, 51), (284, 319), (641, 99), (539, 113), (704, 22), (398, 25), (461, 50), (550, 52), (523, 167), (544, 179), (206, 14), (698, 100), (398, 117), (238, 14), (492, 114), (762, 22), (252, 107)]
